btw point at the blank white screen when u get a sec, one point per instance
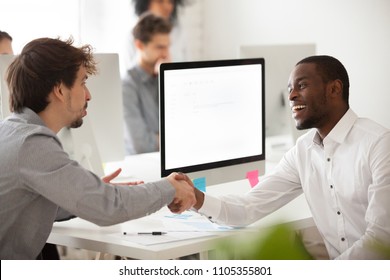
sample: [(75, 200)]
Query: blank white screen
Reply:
[(212, 114)]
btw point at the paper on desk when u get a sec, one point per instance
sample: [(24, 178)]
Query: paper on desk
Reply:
[(190, 221), (160, 239)]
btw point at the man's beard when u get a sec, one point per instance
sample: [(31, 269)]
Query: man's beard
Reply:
[(76, 124)]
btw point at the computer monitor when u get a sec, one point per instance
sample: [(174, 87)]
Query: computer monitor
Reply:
[(212, 119), (81, 146), (105, 110)]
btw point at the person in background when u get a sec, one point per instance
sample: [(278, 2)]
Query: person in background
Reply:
[(342, 165), (167, 9), (5, 43), (39, 183), (5, 48), (140, 85)]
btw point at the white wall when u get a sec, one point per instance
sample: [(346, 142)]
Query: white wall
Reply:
[(26, 20), (107, 26), (357, 32)]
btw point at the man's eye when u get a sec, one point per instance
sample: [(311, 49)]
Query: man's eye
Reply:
[(302, 86)]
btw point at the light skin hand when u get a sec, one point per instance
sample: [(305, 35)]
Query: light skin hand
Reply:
[(199, 195), (159, 62), (107, 179), (184, 197)]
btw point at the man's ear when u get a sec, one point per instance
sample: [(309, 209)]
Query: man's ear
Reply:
[(139, 45), (58, 92), (336, 88)]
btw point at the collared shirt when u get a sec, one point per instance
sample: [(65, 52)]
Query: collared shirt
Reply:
[(37, 177), (345, 179), (140, 108)]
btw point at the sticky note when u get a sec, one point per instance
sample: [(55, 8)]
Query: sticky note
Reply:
[(253, 177), (200, 183)]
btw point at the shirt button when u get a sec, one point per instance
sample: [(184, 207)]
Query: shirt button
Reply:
[(328, 159), (342, 239), (338, 213), (331, 186)]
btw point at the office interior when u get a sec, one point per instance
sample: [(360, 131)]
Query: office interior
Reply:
[(357, 32)]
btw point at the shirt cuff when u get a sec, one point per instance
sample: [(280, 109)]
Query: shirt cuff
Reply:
[(211, 207)]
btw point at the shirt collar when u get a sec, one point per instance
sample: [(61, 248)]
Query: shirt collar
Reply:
[(29, 116), (144, 76), (340, 130)]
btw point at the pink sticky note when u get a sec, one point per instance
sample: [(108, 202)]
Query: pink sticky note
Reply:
[(253, 177)]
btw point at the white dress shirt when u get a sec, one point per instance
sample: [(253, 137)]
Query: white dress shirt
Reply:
[(346, 182)]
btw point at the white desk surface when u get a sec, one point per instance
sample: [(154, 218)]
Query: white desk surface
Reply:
[(78, 233)]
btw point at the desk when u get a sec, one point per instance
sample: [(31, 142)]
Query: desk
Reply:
[(78, 233)]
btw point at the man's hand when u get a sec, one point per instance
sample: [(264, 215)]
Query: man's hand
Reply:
[(107, 179), (185, 194), (159, 62), (198, 194), (182, 176)]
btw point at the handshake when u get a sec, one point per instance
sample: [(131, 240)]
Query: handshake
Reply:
[(186, 196)]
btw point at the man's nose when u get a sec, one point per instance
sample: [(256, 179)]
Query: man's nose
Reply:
[(292, 94), (88, 96)]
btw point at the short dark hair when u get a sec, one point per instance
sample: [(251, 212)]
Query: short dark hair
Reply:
[(330, 69), (142, 6), (5, 35), (43, 64), (149, 25)]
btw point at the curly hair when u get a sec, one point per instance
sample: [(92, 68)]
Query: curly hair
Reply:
[(142, 6)]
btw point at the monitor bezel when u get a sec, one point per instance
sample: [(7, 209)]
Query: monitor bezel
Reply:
[(206, 64)]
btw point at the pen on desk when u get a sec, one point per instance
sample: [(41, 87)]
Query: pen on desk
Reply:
[(153, 233)]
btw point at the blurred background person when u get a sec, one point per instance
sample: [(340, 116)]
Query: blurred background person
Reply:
[(169, 10), (5, 48), (5, 43), (140, 85)]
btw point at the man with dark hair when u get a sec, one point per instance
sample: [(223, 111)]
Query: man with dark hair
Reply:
[(342, 166), (5, 43), (39, 183), (140, 86), (167, 9)]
